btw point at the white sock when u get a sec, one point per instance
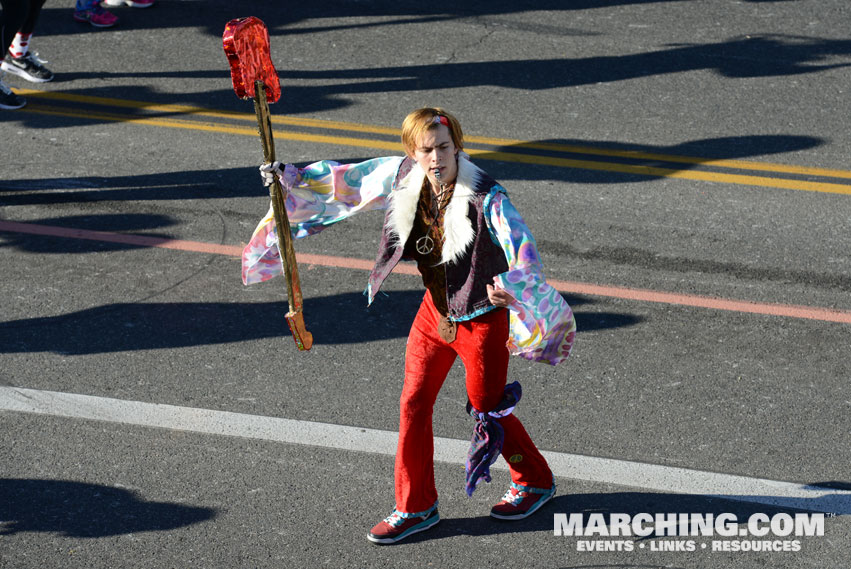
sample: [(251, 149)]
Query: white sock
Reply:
[(20, 45)]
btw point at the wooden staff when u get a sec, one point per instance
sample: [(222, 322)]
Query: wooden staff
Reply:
[(246, 45), (295, 316)]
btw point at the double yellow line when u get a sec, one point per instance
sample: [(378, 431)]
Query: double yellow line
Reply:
[(741, 172)]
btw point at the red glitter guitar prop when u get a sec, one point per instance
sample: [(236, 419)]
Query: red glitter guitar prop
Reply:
[(246, 44)]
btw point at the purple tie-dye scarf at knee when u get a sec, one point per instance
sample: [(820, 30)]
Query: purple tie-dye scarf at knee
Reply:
[(488, 436)]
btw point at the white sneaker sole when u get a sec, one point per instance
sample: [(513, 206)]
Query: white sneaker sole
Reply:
[(9, 68)]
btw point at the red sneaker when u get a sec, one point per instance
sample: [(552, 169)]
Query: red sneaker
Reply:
[(521, 502), (397, 526)]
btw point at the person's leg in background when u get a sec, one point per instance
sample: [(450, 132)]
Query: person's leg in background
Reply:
[(11, 19), (92, 12), (18, 59)]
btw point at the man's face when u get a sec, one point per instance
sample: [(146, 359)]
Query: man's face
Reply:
[(436, 151)]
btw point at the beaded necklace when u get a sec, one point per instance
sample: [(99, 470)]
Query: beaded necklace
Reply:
[(425, 244)]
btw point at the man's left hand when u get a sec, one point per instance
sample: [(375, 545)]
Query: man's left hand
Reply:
[(499, 296)]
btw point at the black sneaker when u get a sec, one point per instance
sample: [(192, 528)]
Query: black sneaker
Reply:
[(29, 67), (9, 100)]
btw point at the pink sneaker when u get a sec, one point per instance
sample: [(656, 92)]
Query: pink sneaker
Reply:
[(131, 3), (97, 16)]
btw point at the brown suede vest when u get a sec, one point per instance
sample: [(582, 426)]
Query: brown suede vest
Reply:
[(465, 280)]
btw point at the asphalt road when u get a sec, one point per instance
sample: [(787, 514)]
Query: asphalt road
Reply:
[(695, 149)]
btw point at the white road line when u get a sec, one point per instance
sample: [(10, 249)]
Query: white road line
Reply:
[(600, 470)]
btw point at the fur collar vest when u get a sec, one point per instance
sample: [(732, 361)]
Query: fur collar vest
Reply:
[(457, 227)]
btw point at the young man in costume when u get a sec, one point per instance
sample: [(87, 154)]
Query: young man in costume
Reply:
[(485, 298)]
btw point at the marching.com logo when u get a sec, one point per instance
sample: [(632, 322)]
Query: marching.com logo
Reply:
[(761, 529)]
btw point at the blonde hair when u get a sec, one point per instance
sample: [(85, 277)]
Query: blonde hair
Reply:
[(427, 118)]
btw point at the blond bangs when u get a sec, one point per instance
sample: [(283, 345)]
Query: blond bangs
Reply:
[(422, 120)]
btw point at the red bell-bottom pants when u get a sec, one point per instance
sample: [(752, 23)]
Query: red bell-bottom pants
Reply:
[(481, 344)]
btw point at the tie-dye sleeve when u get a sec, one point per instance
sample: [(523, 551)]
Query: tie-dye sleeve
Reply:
[(318, 195), (542, 326)]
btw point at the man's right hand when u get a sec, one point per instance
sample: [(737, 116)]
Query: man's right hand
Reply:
[(269, 172)]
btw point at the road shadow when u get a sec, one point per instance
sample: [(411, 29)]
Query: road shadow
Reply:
[(766, 55), (289, 18), (139, 223), (736, 58), (224, 183), (77, 509), (632, 504), (336, 319), (166, 186), (600, 156), (286, 18), (833, 484), (751, 56)]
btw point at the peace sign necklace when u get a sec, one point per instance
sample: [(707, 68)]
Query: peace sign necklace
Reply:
[(425, 244)]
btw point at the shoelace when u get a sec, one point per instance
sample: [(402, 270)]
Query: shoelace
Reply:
[(513, 497), (33, 58), (394, 519)]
